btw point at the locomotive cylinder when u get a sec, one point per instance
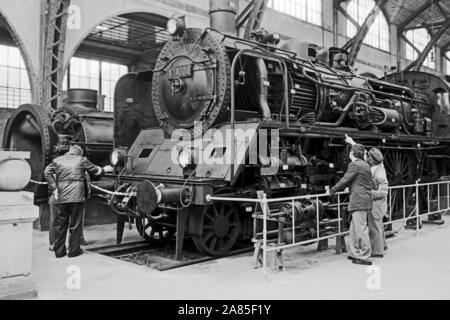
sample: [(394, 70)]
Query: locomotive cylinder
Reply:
[(222, 15)]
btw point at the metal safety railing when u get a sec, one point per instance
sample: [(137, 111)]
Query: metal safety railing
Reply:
[(283, 223)]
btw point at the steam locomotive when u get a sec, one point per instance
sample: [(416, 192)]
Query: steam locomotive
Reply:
[(174, 147), (224, 116), (173, 142)]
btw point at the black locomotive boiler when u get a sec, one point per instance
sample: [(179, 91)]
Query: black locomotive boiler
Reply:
[(294, 99)]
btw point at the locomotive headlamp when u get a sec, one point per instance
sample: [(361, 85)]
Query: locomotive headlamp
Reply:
[(185, 158), (176, 25), (117, 157)]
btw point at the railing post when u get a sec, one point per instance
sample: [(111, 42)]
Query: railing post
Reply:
[(448, 197), (417, 207), (264, 207)]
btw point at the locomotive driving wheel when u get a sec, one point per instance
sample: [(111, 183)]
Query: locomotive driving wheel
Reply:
[(219, 228), (152, 232), (401, 170)]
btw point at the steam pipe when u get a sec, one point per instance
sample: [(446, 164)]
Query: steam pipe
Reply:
[(262, 89), (341, 118)]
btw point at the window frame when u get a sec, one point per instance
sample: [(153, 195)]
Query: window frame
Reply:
[(413, 50), (389, 27), (18, 91), (270, 5)]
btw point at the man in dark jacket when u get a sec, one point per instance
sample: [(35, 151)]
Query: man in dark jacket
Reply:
[(358, 178), (66, 176)]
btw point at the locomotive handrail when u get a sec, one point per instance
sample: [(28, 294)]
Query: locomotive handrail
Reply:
[(348, 87), (310, 64), (250, 42), (177, 57), (261, 54)]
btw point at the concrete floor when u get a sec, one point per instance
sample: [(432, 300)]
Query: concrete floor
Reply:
[(413, 268)]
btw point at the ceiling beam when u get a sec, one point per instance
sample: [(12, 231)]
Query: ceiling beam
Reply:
[(441, 9), (110, 47), (349, 17), (147, 18), (434, 24), (445, 47), (356, 42), (415, 65), (410, 43), (416, 13)]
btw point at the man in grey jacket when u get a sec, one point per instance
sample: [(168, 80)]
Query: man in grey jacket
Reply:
[(358, 179), (66, 176)]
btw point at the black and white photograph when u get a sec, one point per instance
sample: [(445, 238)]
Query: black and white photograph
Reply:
[(216, 158)]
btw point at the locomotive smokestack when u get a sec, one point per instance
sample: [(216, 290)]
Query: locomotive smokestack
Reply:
[(222, 15)]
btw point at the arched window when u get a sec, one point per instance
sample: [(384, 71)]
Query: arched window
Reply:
[(14, 82), (378, 35), (419, 38), (307, 10)]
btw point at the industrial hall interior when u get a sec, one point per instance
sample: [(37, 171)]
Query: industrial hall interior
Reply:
[(224, 150)]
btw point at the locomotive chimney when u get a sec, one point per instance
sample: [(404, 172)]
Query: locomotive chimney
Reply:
[(222, 15), (84, 97)]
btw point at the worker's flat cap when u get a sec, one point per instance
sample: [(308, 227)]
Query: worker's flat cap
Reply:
[(376, 155), (76, 149)]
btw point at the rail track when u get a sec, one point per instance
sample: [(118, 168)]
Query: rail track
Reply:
[(162, 257)]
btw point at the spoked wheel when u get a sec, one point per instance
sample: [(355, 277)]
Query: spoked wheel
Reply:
[(401, 170), (152, 232), (219, 228)]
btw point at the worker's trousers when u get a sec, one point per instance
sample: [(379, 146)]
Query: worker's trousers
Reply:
[(53, 213), (69, 217), (359, 235), (375, 223)]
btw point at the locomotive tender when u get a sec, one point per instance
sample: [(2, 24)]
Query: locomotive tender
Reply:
[(173, 123)]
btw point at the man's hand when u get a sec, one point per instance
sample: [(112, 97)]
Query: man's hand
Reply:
[(108, 169), (331, 192), (56, 194), (349, 140)]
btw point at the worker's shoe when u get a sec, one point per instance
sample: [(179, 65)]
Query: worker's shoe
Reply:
[(59, 256), (76, 254), (377, 256), (363, 262), (352, 258)]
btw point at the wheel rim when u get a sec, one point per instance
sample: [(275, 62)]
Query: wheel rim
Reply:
[(219, 225), (153, 232), (401, 170)]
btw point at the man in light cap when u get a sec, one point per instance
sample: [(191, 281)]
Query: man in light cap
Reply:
[(358, 179), (379, 207), (66, 176)]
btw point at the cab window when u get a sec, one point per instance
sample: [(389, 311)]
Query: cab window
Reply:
[(443, 100)]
